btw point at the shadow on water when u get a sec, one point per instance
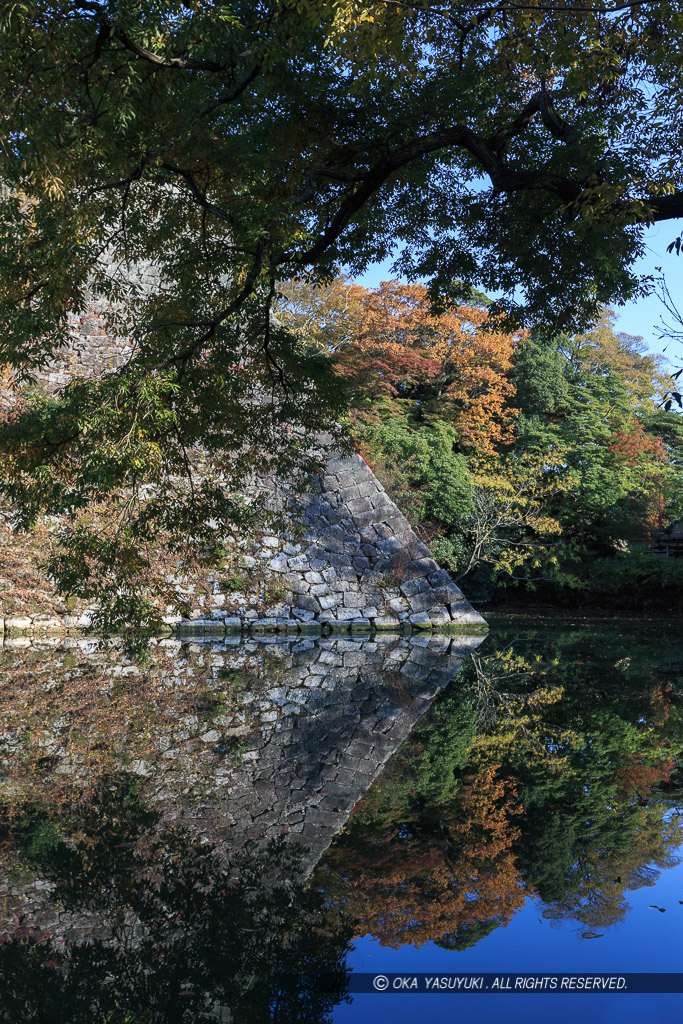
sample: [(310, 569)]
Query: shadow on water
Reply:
[(202, 836), (162, 927)]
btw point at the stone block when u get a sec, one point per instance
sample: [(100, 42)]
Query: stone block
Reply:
[(46, 622), (440, 578), (303, 614), (346, 614), (299, 563), (212, 736), (423, 602), (389, 546), (346, 494), (419, 567), (421, 620), (381, 502), (367, 487), (279, 563), (19, 622), (449, 594), (362, 519), (411, 587), (462, 611), (345, 479)]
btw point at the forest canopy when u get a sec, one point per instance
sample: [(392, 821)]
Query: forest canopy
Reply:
[(521, 149)]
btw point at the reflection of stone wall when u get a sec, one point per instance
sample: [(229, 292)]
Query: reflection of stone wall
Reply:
[(327, 718), (326, 730)]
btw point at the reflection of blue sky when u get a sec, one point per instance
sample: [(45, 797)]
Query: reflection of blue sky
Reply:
[(641, 316), (644, 941)]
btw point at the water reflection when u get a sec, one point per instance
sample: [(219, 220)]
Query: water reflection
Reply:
[(200, 836), (550, 768), (161, 926), (159, 819)]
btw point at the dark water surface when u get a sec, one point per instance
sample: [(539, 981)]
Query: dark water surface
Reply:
[(222, 832)]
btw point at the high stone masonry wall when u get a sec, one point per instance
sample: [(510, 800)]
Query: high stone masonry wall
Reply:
[(359, 566)]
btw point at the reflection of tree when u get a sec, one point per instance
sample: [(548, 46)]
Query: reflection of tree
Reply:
[(428, 854), (546, 767), (432, 884), (595, 790), (593, 889), (191, 936)]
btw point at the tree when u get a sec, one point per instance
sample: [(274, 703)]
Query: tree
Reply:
[(525, 148)]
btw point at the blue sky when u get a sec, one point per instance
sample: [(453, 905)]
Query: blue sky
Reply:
[(644, 315), (640, 317)]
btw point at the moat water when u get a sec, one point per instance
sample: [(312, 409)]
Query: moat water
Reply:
[(235, 831)]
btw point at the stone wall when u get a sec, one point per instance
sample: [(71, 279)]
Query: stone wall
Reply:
[(358, 566)]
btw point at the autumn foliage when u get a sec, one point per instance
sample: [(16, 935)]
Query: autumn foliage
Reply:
[(522, 461), (400, 350), (427, 881)]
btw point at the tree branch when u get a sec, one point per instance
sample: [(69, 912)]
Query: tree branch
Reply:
[(176, 63)]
